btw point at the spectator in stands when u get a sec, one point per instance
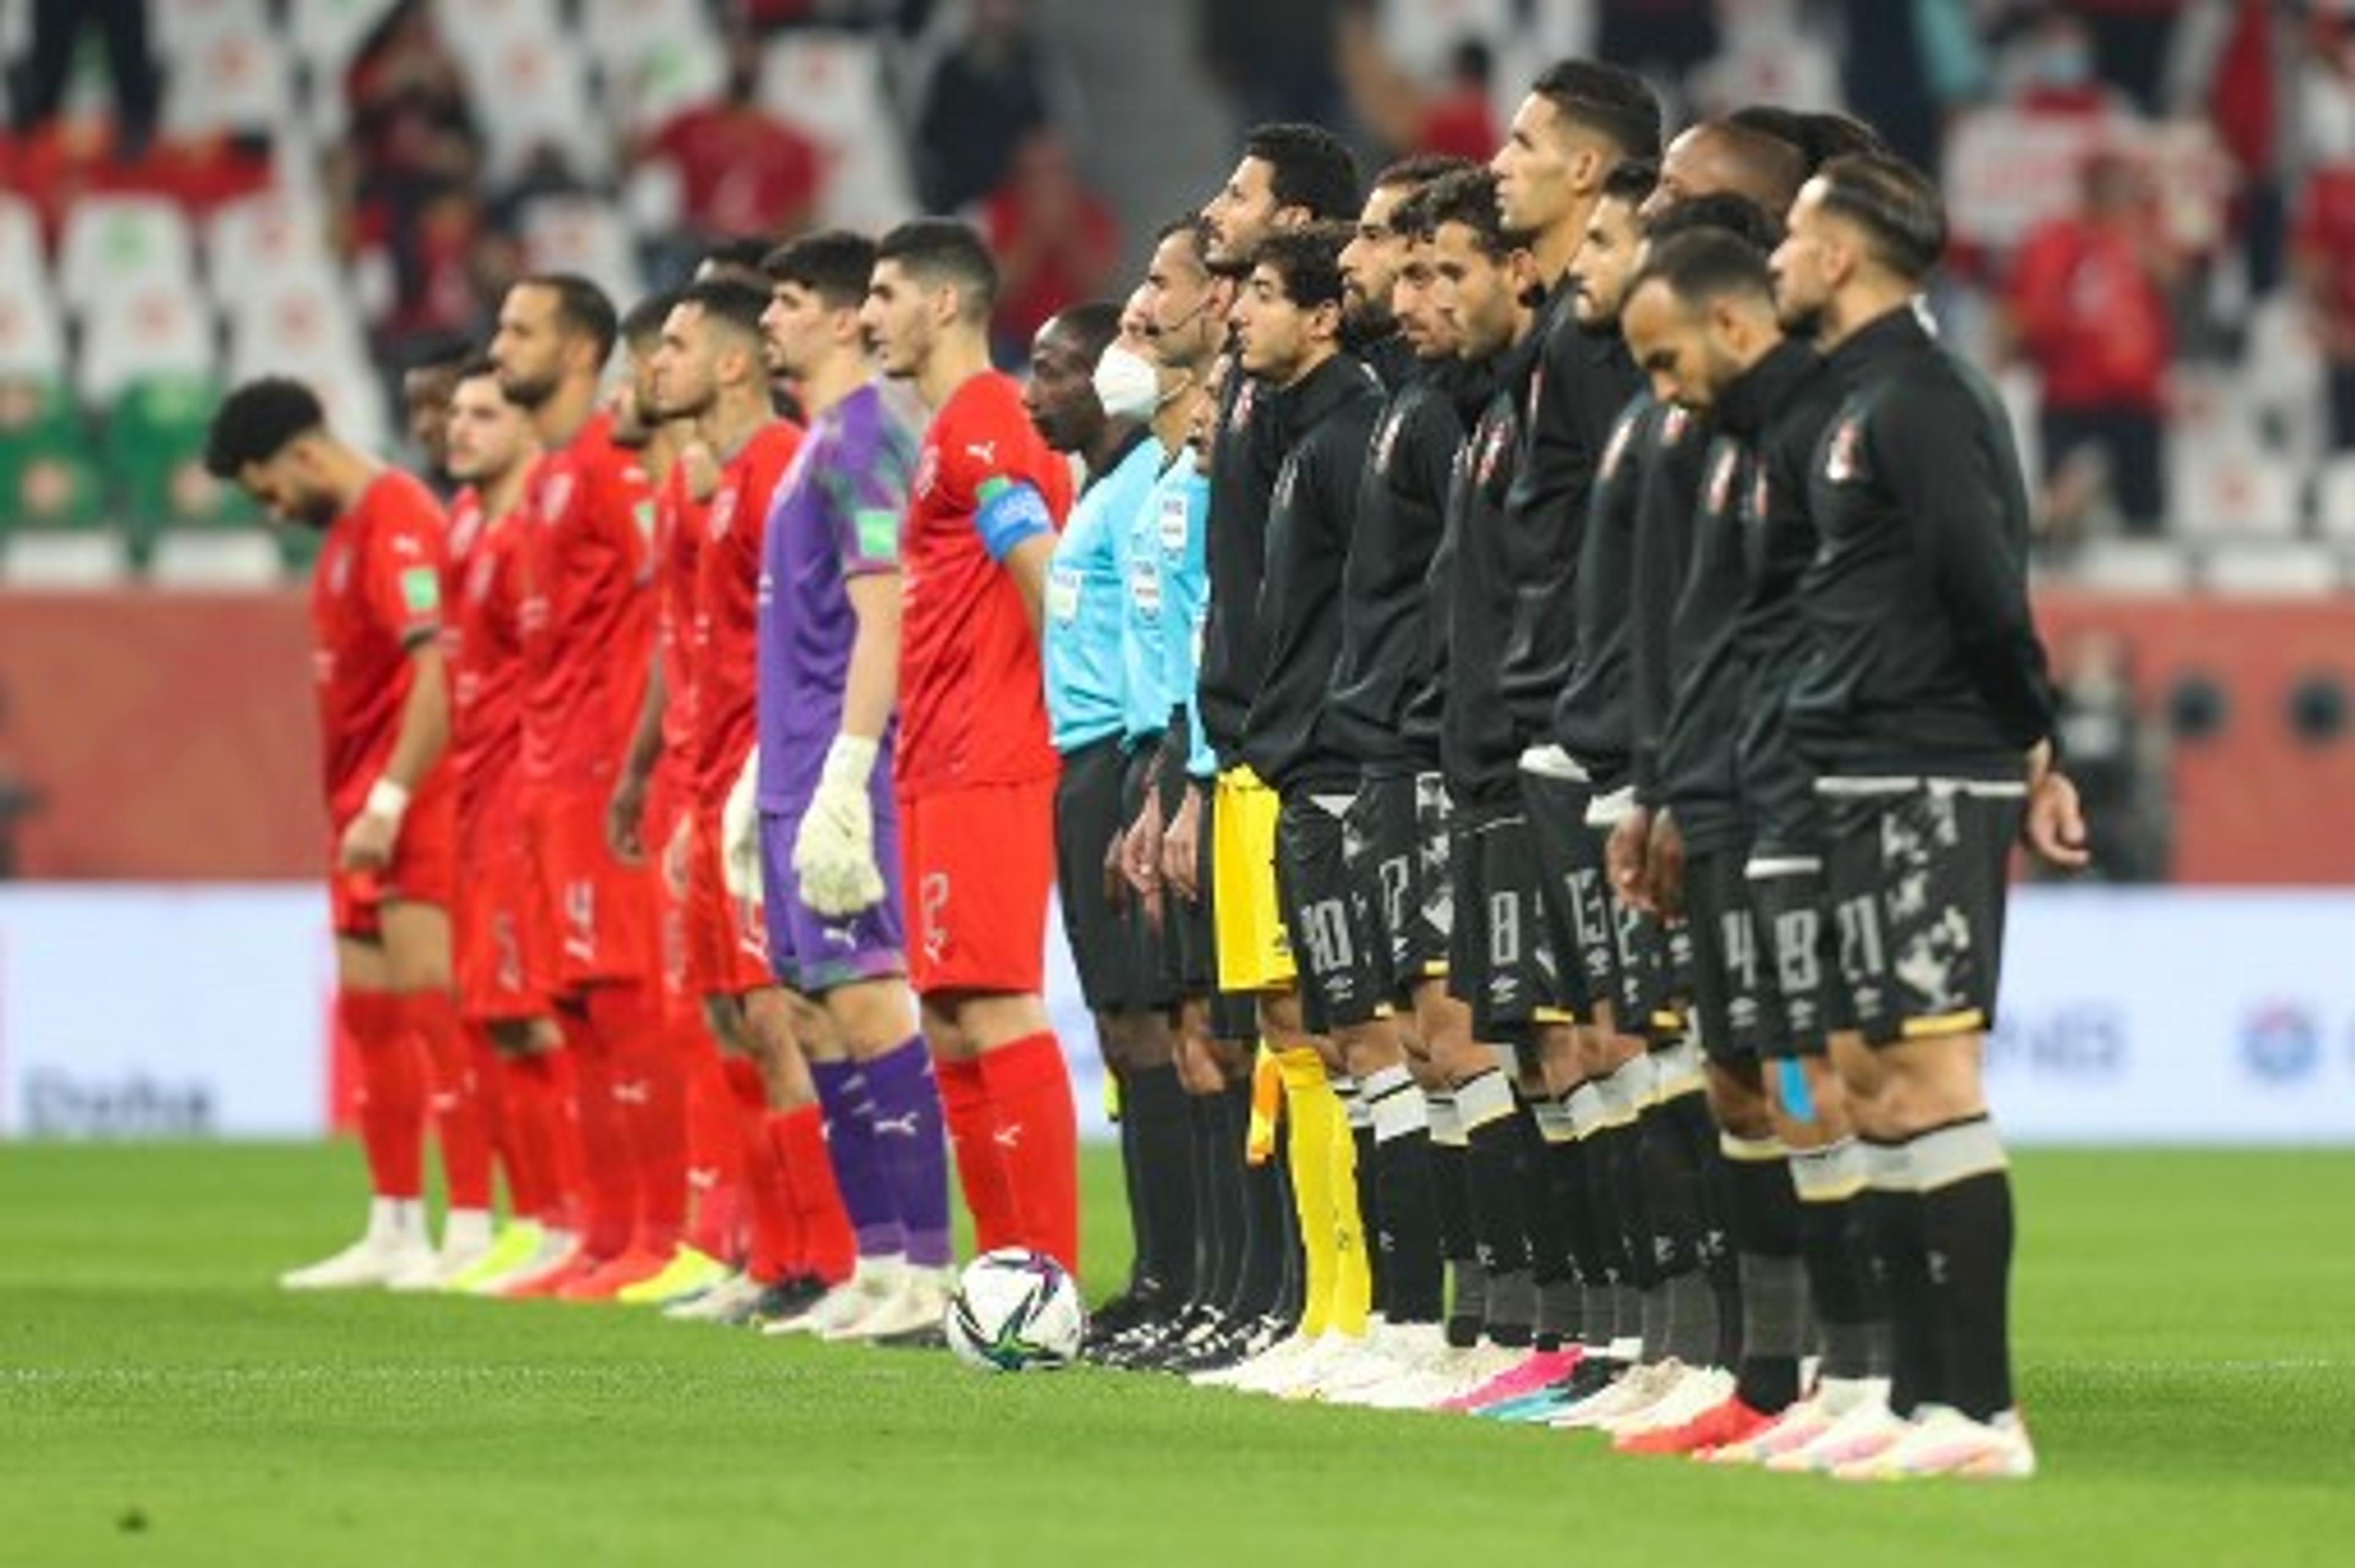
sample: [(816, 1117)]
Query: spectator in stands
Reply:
[(1457, 118), (996, 85), (1275, 60), (1056, 243), (2322, 248), (742, 169), (40, 85), (2089, 308), (416, 155)]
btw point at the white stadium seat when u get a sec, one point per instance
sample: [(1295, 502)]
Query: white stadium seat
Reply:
[(531, 90), (2334, 498), (235, 81), (831, 85), (213, 557), (326, 33), (113, 244), (32, 336), (183, 27), (582, 234), (2273, 571), (258, 240), (2230, 486), (2139, 568), (63, 558), (152, 328)]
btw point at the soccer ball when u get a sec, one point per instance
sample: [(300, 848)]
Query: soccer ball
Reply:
[(1015, 1311)]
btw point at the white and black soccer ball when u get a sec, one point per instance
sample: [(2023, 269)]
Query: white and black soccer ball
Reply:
[(1015, 1311)]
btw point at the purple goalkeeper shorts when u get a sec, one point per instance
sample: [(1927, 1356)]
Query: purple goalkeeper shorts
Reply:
[(813, 953)]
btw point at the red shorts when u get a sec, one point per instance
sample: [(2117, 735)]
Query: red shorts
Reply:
[(979, 863), (666, 805), (602, 911), (500, 935), (727, 940), (424, 866)]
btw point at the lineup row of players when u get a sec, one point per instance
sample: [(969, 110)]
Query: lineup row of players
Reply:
[(1564, 725)]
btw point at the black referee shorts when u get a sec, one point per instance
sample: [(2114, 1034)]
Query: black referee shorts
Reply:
[(1918, 886), (1118, 968)]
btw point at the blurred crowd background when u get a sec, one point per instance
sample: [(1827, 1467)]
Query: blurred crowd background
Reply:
[(2153, 204)]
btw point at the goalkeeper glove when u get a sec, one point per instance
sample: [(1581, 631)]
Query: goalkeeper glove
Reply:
[(835, 853)]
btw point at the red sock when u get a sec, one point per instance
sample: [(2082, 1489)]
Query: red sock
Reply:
[(432, 1018), (490, 1099), (778, 1246), (1038, 1137), (652, 1104), (569, 1164), (392, 1092), (799, 1137), (981, 1168), (609, 1175), (715, 1153), (533, 1109)]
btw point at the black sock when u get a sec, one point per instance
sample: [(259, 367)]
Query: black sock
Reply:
[(1827, 1180), (1467, 1297), (1966, 1214), (1762, 1212), (1409, 1267), (1489, 1110), (1144, 1264), (1548, 1124), (1696, 1137), (1690, 1320), (1259, 1277), (1154, 1103), (1218, 1203), (1294, 1295), (1893, 1215)]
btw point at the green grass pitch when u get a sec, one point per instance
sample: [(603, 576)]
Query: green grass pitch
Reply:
[(2185, 1327)]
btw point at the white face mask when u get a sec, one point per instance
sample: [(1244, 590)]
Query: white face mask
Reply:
[(1128, 386)]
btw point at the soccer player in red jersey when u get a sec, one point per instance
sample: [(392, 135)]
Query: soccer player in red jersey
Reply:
[(375, 609), (974, 772), (710, 367), (501, 935), (588, 620)]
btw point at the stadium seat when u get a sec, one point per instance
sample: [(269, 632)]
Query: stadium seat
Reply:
[(2230, 486), (531, 91), (183, 27), (57, 487), (582, 234), (258, 240), (113, 244), (645, 87), (2273, 571), (32, 339), (155, 445), (326, 33), (2334, 498), (64, 558), (2135, 568), (619, 31), (229, 84), (153, 328), (36, 415), (306, 328), (214, 559), (832, 85), (1419, 34)]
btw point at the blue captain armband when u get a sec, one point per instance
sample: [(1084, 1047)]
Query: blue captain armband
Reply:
[(1010, 512)]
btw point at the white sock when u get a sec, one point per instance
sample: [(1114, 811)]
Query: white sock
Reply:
[(466, 1230), (396, 1221)]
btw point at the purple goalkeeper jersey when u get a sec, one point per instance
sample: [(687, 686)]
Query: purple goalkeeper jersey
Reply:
[(835, 516)]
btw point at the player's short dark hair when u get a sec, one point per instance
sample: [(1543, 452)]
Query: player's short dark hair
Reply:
[(744, 255), (437, 351), (730, 301), (1418, 170), (1631, 180), (582, 308), (476, 366), (1722, 211), (1771, 145), (1704, 264), (1608, 100), (1308, 166), (641, 327), (1092, 325), (1831, 134), (1895, 204), (942, 251), (1195, 227), (1468, 198), (257, 421), (833, 263), (1306, 261)]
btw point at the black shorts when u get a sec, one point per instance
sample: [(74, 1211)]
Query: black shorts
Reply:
[(1500, 962), (1918, 882), (1394, 849), (1336, 944), (1577, 895), (1117, 963), (1653, 963), (1794, 919), (1734, 1006), (1164, 945), (1235, 1015)]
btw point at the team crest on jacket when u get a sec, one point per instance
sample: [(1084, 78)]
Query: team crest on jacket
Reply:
[(557, 499), (1720, 482), (1674, 424), (1840, 458)]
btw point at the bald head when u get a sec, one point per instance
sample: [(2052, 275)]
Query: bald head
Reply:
[(1728, 156)]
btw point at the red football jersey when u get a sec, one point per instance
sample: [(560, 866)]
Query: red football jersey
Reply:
[(728, 581), (679, 536), (973, 707), (375, 593), (589, 612), (482, 638)]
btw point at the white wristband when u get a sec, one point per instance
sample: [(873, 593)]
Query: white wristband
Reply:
[(387, 798), (850, 759)]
